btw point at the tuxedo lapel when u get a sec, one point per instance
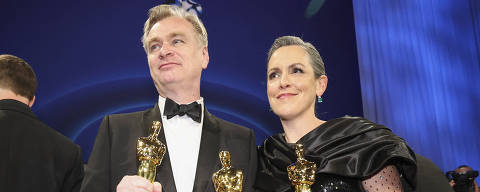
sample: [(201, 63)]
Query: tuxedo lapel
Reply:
[(208, 161), (164, 171)]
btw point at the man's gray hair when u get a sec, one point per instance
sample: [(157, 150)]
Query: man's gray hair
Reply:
[(161, 12)]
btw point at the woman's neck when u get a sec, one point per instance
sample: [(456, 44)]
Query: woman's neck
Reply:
[(297, 127)]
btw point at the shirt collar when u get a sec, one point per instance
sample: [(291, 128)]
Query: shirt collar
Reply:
[(161, 104)]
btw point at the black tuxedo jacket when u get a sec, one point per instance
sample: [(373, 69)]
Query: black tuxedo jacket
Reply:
[(34, 156), (114, 152)]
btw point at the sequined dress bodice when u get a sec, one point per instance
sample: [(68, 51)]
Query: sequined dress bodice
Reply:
[(333, 183)]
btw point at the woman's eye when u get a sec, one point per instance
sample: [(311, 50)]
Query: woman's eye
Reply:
[(273, 75), (297, 70)]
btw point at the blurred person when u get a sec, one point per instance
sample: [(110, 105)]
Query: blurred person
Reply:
[(34, 156), (430, 177), (463, 179)]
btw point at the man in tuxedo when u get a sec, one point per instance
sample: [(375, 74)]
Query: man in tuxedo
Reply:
[(176, 45), (34, 156)]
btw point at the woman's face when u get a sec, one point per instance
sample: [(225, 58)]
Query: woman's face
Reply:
[(291, 84)]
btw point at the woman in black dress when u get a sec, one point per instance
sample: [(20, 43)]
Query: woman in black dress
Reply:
[(350, 153)]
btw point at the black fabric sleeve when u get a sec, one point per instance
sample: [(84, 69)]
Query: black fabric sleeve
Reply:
[(251, 174), (73, 179), (97, 173)]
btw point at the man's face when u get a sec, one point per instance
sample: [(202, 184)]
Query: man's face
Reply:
[(175, 55), (463, 170)]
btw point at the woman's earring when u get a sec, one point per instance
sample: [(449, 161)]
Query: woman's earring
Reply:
[(319, 99)]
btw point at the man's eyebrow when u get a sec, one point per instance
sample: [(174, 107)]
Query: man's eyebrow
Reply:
[(149, 41), (170, 36), (176, 34)]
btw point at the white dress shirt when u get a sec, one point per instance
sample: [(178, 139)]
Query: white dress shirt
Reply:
[(183, 136)]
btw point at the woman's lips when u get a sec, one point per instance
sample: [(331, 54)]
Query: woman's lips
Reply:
[(285, 95)]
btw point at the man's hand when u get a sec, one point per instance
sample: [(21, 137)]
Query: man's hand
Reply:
[(136, 183), (452, 183)]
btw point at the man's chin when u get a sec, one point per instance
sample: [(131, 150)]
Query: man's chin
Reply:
[(166, 81), (166, 76)]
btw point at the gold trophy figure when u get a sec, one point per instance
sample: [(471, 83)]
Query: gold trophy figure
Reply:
[(150, 152), (302, 172), (227, 179)]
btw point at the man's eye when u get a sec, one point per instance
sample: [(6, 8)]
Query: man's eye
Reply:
[(273, 75), (176, 41), (154, 47)]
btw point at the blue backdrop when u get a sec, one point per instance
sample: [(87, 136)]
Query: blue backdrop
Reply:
[(420, 74), (90, 62)]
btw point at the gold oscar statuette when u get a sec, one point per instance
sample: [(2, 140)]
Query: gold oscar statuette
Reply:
[(302, 172), (150, 152), (227, 179)]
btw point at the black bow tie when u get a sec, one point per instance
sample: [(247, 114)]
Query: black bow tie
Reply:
[(193, 110)]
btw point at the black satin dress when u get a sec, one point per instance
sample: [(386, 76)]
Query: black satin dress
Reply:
[(346, 151)]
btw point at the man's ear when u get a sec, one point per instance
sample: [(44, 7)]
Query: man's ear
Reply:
[(30, 103), (321, 85), (206, 57)]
